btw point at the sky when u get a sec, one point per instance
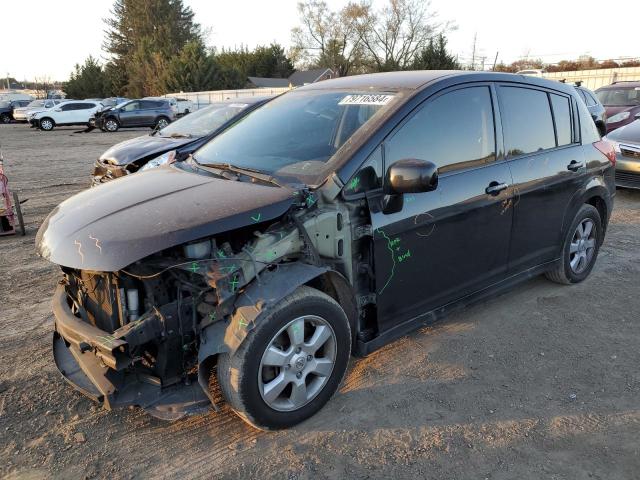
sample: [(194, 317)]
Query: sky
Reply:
[(44, 45)]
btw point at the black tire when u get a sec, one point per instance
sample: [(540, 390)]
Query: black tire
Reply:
[(16, 202), (186, 111), (47, 124), (238, 374), (110, 125), (5, 118), (563, 273)]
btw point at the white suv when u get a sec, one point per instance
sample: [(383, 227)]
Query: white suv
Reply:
[(74, 112)]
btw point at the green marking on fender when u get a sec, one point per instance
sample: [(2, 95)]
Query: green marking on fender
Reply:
[(194, 267), (257, 219), (354, 183)]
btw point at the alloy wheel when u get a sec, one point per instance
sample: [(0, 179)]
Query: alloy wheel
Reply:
[(46, 124), (162, 123), (111, 125), (297, 363), (583, 246)]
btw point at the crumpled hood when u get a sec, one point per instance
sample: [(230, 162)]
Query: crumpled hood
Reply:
[(137, 148), (111, 226)]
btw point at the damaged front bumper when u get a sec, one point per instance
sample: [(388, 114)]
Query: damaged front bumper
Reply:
[(97, 364)]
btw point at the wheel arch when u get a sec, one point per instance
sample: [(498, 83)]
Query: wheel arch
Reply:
[(264, 293), (596, 194)]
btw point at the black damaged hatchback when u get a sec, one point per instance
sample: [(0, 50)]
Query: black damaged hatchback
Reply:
[(328, 222)]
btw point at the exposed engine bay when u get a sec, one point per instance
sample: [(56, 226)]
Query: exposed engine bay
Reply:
[(164, 318)]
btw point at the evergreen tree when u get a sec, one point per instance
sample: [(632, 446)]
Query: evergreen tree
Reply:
[(435, 56), (142, 37), (87, 81)]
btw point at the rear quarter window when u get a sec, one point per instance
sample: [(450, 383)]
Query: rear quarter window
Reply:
[(526, 120), (562, 118)]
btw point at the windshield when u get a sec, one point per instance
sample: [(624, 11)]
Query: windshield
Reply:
[(36, 103), (619, 97), (294, 135), (204, 121)]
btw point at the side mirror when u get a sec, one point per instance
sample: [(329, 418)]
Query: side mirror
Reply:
[(411, 175)]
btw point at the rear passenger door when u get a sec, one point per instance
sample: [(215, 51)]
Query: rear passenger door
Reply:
[(148, 112), (542, 144), (435, 247)]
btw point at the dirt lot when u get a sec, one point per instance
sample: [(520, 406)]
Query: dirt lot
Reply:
[(542, 382)]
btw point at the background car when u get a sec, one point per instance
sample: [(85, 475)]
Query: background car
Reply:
[(7, 108), (113, 101), (174, 142), (22, 114), (135, 113), (622, 102), (626, 142), (71, 112), (596, 109)]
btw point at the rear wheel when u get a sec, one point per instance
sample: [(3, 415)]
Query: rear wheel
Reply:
[(580, 248), (5, 118), (111, 125), (290, 364), (46, 124), (161, 123)]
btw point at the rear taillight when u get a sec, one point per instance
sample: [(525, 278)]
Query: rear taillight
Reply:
[(607, 149)]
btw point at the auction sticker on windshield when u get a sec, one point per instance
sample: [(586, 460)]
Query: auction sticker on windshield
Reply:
[(366, 99)]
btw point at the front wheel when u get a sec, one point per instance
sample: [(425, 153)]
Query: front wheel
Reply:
[(5, 118), (46, 124), (111, 125), (290, 364), (580, 248)]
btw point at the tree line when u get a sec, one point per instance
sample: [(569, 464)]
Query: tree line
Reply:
[(155, 46)]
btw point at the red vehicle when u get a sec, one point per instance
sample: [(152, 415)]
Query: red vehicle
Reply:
[(621, 101), (9, 206)]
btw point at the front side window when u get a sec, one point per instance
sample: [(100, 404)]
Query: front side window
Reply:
[(526, 120), (130, 107), (454, 131), (562, 118), (294, 136)]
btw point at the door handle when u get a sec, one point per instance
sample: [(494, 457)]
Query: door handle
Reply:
[(495, 188), (574, 166)]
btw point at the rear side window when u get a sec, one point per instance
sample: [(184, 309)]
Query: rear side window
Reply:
[(68, 107), (526, 120), (454, 131), (84, 106), (562, 118)]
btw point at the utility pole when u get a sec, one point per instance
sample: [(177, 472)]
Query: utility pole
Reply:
[(495, 61), (473, 54)]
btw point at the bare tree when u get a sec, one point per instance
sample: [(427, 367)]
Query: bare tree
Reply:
[(328, 39), (394, 35)]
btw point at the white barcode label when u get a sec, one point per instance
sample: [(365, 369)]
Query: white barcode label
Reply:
[(366, 99)]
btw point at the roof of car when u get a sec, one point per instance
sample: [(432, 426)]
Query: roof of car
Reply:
[(621, 83), (416, 79)]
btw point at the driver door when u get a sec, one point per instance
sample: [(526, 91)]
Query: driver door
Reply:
[(436, 247)]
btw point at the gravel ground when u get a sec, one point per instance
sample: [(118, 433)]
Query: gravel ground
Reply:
[(541, 382)]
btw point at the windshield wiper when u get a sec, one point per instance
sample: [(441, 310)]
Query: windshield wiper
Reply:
[(249, 172)]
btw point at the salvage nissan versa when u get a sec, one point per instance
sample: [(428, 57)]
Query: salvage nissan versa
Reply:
[(330, 221)]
